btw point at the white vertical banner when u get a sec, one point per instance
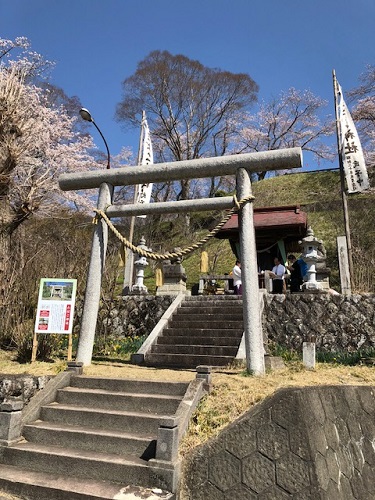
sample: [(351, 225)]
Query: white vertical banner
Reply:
[(143, 191), (353, 160)]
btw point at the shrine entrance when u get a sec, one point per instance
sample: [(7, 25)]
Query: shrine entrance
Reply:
[(239, 165)]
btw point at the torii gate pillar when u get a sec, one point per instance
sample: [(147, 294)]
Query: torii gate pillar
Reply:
[(249, 273)]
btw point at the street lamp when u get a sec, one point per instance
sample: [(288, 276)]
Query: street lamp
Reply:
[(86, 115)]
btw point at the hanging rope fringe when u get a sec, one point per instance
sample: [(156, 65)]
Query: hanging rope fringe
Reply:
[(180, 253)]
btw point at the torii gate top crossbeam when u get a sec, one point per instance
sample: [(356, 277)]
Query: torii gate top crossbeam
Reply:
[(189, 169)]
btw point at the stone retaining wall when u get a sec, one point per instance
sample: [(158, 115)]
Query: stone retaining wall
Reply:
[(129, 316), (336, 322), (308, 443)]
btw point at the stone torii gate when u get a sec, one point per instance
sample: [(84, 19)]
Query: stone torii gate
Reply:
[(240, 165)]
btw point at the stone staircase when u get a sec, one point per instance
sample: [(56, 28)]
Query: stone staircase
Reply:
[(98, 436), (204, 330)]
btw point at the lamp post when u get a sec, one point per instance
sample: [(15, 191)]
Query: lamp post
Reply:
[(86, 115)]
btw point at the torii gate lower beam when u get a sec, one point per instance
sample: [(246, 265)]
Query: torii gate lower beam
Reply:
[(241, 165)]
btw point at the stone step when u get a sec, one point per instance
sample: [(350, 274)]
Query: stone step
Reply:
[(78, 463), (185, 360), (97, 398), (79, 437), (218, 333), (130, 386), (211, 315), (213, 298), (130, 422), (177, 322), (41, 486), (170, 337), (212, 305), (196, 350)]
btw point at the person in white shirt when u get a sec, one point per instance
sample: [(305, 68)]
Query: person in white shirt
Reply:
[(277, 276), (237, 280)]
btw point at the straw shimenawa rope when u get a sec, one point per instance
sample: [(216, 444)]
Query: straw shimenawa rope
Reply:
[(180, 253)]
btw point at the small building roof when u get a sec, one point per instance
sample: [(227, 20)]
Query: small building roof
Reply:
[(288, 223)]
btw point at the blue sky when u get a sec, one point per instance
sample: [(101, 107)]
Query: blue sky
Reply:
[(96, 44)]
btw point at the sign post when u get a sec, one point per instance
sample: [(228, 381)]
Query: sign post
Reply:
[(55, 310)]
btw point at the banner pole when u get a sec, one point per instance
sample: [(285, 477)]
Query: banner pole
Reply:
[(342, 182), (129, 256)]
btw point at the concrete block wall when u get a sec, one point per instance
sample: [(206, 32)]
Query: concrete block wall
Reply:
[(306, 443)]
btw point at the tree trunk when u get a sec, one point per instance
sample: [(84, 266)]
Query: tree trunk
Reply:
[(7, 263)]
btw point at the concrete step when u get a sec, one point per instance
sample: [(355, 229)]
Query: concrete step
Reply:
[(217, 333), (187, 361), (130, 386), (192, 337), (40, 486), (196, 350), (97, 398), (79, 437), (212, 299), (130, 422), (222, 310), (178, 322), (78, 463)]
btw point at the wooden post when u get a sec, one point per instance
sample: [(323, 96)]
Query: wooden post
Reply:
[(70, 347), (35, 348)]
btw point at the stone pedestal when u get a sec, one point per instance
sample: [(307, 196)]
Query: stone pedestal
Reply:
[(308, 355), (174, 279), (273, 362), (10, 422)]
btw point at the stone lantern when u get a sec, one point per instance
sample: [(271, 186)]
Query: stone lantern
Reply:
[(140, 264), (311, 256)]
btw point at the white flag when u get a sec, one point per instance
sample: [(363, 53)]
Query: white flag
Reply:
[(143, 191), (351, 150)]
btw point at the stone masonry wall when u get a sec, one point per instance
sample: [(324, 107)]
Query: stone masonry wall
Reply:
[(22, 387), (307, 443), (336, 322), (132, 315)]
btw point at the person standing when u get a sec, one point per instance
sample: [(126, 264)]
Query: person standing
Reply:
[(295, 274), (237, 279), (277, 276)]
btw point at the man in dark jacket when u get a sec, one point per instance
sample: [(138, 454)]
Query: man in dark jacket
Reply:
[(295, 274)]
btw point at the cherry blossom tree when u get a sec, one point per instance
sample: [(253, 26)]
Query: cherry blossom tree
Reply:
[(290, 120), (38, 141), (364, 113)]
